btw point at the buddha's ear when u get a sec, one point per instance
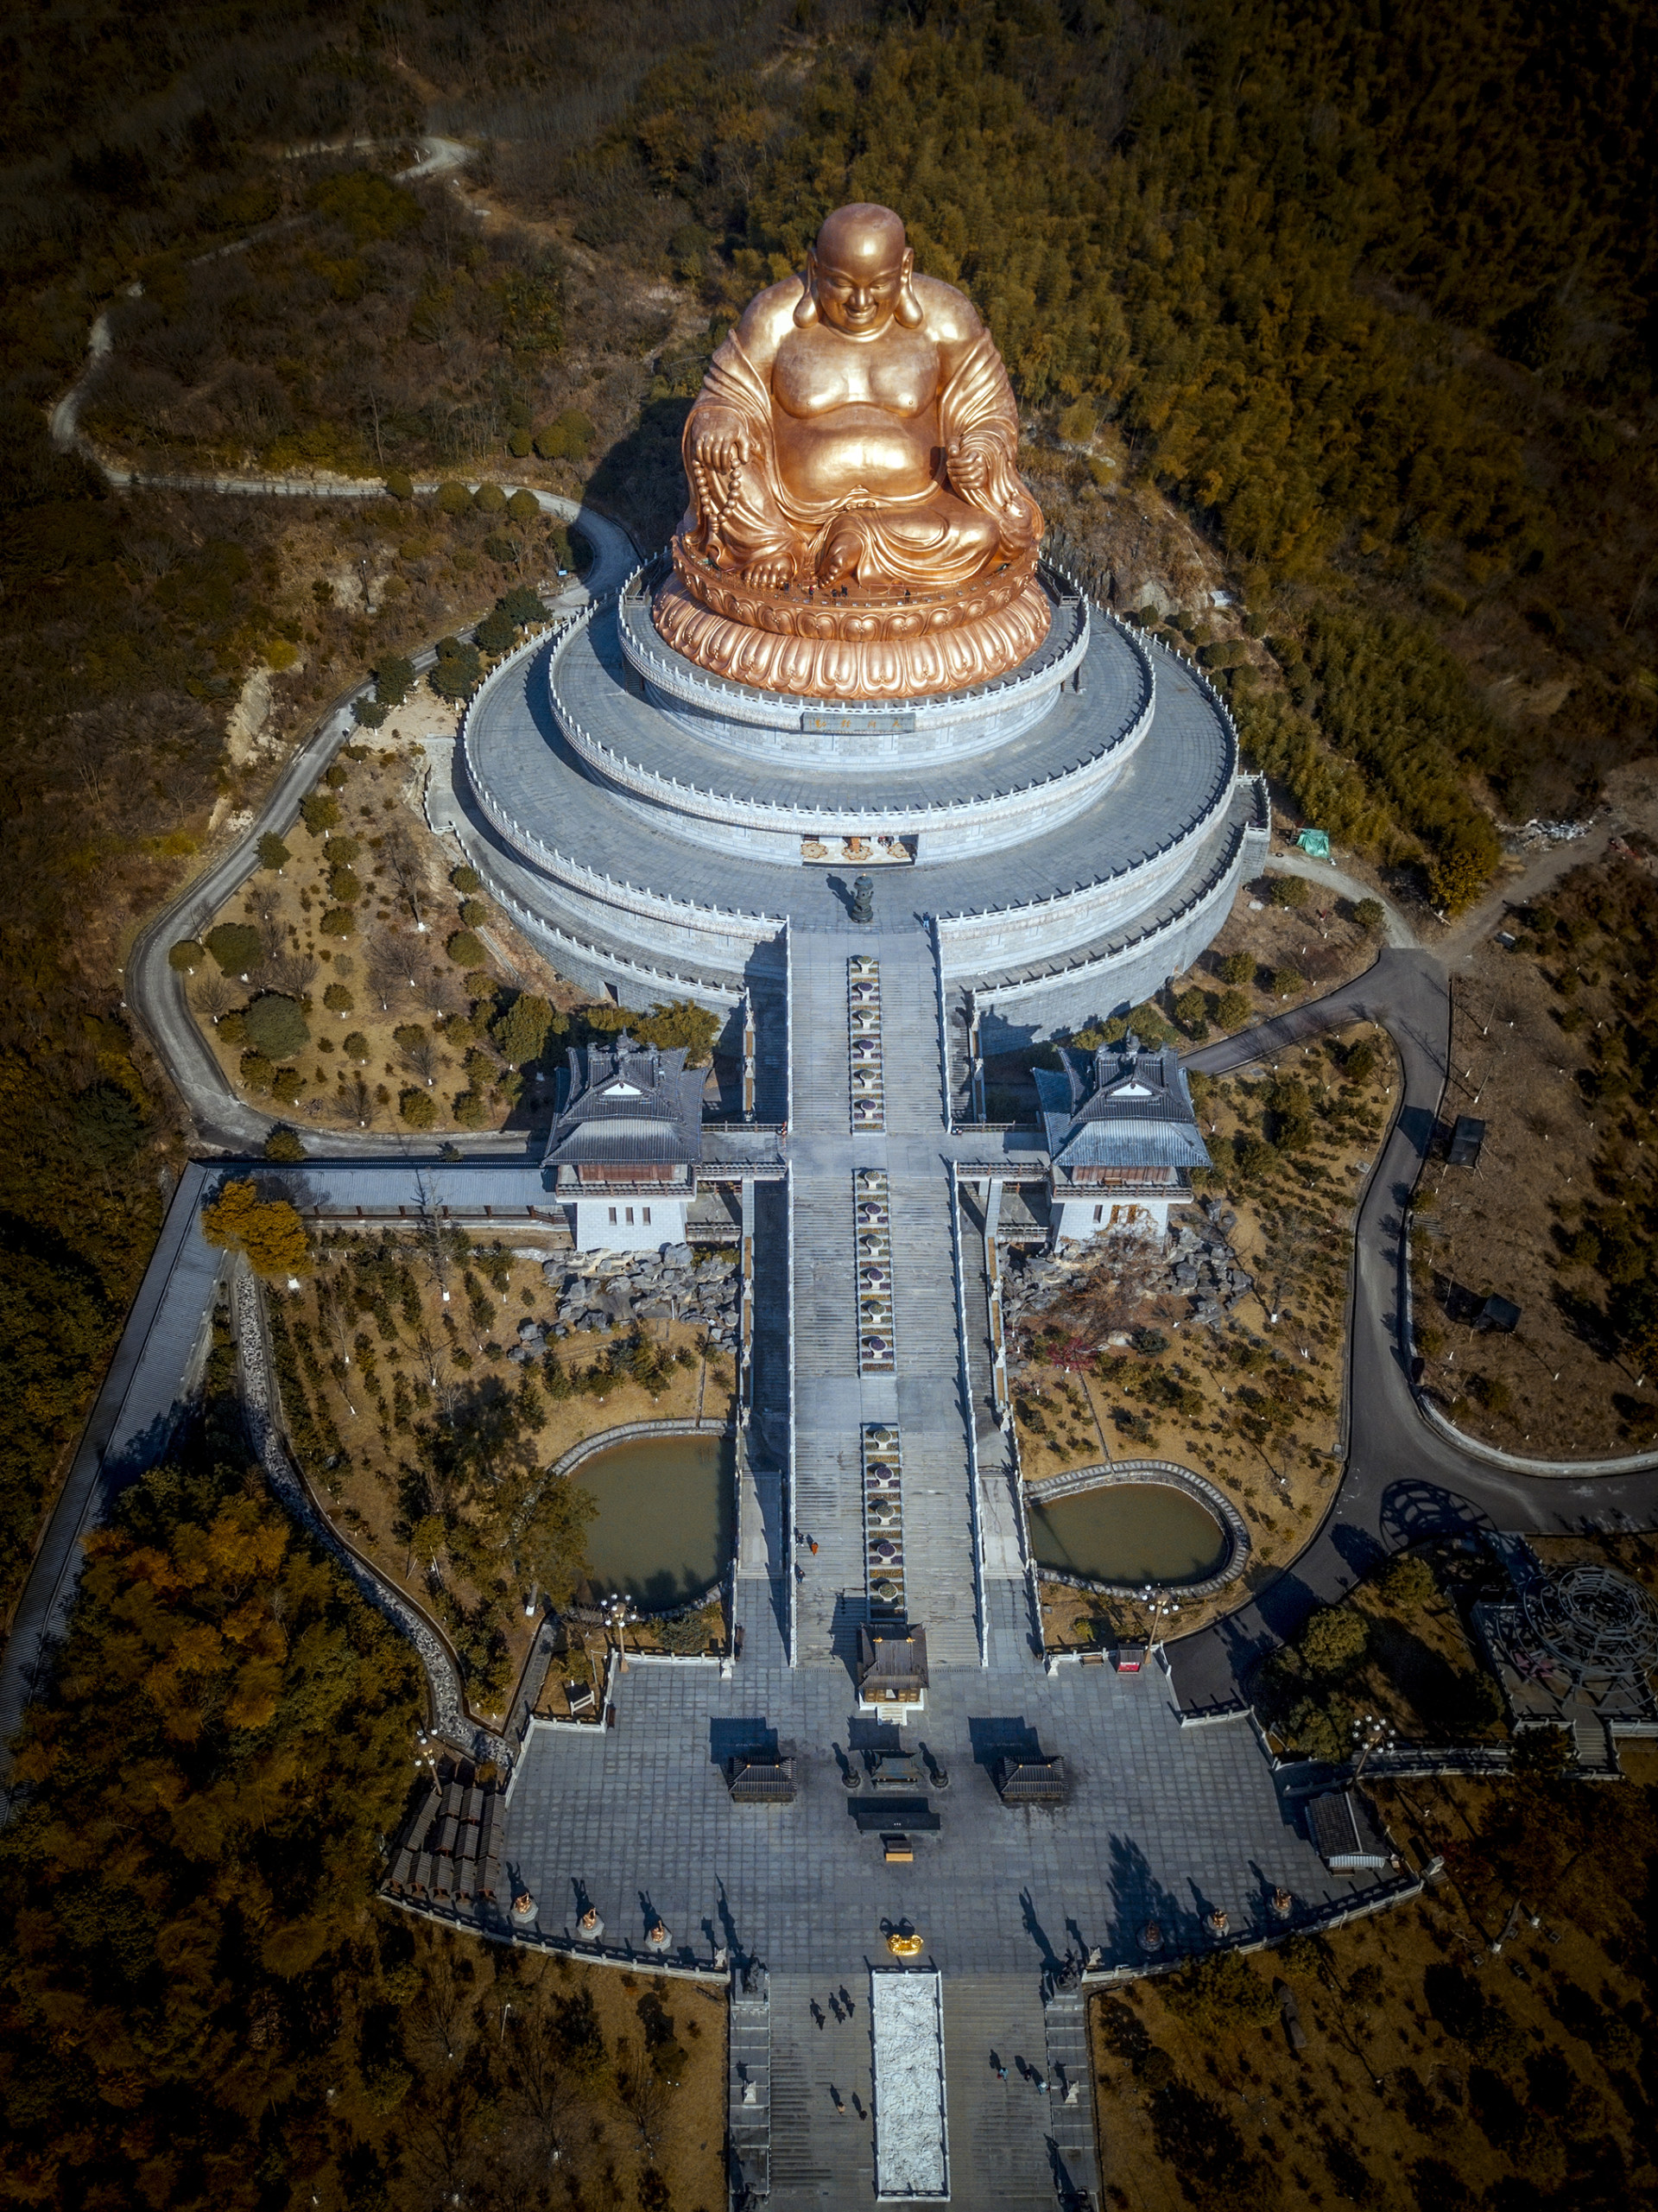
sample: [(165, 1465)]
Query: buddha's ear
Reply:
[(806, 308), (909, 310)]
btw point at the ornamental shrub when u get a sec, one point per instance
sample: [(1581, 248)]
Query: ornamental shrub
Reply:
[(273, 853), (343, 887), (283, 1144), (399, 485), (187, 956), (518, 444), (256, 1072), (1335, 1639), (464, 950), (338, 921), (523, 506), (466, 879), (1408, 1582), (568, 437), (338, 1000), (473, 913), (459, 669), (1290, 891), (417, 1108), (453, 499), (237, 946), (286, 1084), (394, 679), (1370, 915), (319, 811), (355, 1046), (368, 713), (1237, 968), (1233, 1010), (471, 1110), (489, 499), (522, 1030), (274, 1024), (340, 852), (524, 607)]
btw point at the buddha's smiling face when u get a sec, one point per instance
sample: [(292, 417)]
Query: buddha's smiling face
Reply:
[(859, 271)]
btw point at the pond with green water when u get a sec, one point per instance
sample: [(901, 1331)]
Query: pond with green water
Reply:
[(664, 1531), (1129, 1532)]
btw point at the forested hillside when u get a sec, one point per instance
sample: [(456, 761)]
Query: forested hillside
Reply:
[(1366, 293)]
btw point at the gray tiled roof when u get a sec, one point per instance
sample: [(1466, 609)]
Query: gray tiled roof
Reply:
[(626, 1102), (1119, 1107)]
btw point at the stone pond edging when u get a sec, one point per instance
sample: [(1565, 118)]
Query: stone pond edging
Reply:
[(1103, 1475), (626, 1432)]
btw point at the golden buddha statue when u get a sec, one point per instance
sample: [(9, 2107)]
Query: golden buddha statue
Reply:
[(856, 527)]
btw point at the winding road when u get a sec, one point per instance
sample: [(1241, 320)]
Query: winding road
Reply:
[(1405, 1478), (154, 990)]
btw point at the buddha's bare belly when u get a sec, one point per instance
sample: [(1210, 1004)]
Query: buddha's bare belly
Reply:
[(861, 449)]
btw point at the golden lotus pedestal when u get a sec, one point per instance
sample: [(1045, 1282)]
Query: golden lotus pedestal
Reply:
[(814, 645)]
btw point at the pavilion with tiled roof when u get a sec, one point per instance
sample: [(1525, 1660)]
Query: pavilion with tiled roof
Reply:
[(1123, 1138), (625, 1143)]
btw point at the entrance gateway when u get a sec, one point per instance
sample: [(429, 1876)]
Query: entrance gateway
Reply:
[(888, 1800)]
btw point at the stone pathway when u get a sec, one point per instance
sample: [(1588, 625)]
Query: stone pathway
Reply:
[(877, 1343)]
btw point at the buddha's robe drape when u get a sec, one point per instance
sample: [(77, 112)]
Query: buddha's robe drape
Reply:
[(752, 514)]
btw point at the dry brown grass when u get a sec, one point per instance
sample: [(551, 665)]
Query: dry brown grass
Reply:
[(1556, 1387), (367, 1501), (1383, 2107), (381, 802), (1293, 1235)]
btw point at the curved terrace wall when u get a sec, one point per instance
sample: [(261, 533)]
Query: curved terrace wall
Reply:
[(768, 725), (674, 924)]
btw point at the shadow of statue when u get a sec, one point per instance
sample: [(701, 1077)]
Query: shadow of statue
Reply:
[(1138, 1898)]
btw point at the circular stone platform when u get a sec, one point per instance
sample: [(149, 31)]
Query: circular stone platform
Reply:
[(1074, 832)]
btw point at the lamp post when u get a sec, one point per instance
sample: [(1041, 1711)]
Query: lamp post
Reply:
[(618, 1612), (1159, 1602), (1371, 1733)]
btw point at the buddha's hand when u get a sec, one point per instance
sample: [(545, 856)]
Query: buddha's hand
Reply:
[(719, 440), (969, 470)]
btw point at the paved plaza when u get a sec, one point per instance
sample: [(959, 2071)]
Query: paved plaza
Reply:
[(1163, 1820)]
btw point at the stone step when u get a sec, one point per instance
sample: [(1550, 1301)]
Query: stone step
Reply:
[(998, 2155), (1070, 2088)]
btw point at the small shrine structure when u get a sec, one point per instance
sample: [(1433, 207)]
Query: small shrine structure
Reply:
[(625, 1144), (1123, 1139)]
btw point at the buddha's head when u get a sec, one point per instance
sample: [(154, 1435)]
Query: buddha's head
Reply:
[(857, 276)]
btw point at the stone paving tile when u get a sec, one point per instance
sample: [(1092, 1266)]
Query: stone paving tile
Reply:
[(1162, 1822)]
